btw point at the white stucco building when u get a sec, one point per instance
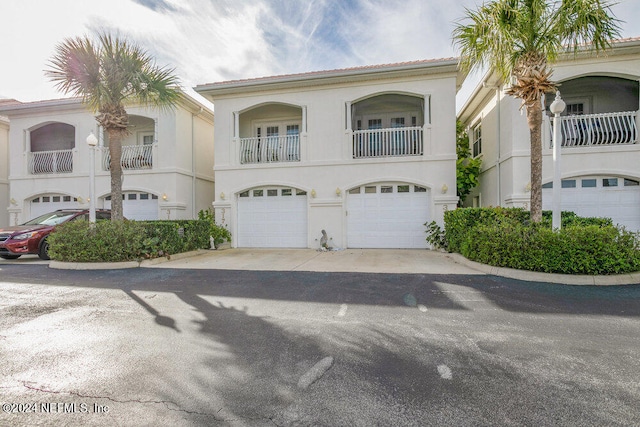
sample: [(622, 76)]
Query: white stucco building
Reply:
[(600, 155), (367, 154), (4, 169), (167, 159)]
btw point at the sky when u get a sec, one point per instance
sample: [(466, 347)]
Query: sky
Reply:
[(208, 41)]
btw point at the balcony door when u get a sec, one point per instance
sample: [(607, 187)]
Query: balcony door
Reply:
[(278, 141)]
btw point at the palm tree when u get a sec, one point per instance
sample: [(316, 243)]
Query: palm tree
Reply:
[(520, 40), (107, 74)]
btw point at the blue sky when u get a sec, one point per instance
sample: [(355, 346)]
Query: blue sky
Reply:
[(214, 40)]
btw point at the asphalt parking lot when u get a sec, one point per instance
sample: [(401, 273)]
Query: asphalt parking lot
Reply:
[(199, 346)]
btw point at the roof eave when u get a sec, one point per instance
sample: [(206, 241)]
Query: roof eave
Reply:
[(328, 77)]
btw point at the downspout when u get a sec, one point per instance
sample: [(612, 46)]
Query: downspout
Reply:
[(193, 164)]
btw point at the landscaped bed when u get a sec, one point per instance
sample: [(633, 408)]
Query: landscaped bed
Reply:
[(505, 237)]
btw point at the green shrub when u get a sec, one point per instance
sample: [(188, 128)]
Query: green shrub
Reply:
[(588, 249), (219, 233), (165, 237), (505, 237), (113, 241), (107, 241), (435, 235)]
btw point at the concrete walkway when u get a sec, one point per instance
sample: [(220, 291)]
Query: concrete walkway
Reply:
[(402, 261), (348, 260)]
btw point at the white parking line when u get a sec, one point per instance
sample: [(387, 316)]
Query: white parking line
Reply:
[(445, 372), (343, 310), (315, 373)]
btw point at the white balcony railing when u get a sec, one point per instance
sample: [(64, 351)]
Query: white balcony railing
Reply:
[(407, 141), (133, 157), (55, 161), (598, 129), (270, 149)]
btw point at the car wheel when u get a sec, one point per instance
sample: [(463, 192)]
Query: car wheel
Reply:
[(43, 251), (4, 256)]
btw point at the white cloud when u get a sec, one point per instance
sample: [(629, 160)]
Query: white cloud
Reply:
[(215, 40)]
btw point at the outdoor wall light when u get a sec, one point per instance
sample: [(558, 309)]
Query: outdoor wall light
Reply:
[(13, 201), (527, 188), (313, 193), (80, 200), (338, 192), (444, 188), (222, 195), (164, 197)]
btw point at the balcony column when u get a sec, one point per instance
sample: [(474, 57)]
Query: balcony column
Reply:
[(302, 147), (347, 152), (637, 139), (154, 148), (426, 136), (27, 150), (235, 146)]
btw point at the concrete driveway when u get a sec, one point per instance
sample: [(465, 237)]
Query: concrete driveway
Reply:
[(348, 260), (198, 346)]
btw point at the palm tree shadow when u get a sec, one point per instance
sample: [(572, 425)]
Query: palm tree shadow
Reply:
[(257, 376)]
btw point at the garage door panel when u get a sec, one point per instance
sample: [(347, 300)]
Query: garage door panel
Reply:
[(387, 220), (51, 202), (138, 206), (619, 202), (272, 221)]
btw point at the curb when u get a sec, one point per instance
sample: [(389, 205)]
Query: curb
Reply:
[(59, 265), (535, 276)]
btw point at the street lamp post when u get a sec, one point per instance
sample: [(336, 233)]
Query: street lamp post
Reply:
[(557, 107), (92, 141)]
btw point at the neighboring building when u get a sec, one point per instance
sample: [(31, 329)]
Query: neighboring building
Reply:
[(4, 169), (367, 154), (600, 150), (167, 159)]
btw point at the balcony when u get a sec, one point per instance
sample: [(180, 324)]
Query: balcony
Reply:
[(391, 142), (598, 129), (134, 157), (270, 149), (50, 162)]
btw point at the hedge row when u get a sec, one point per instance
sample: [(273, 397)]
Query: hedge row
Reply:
[(504, 237), (113, 241)]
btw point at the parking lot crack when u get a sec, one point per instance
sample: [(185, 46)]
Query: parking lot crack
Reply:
[(167, 403)]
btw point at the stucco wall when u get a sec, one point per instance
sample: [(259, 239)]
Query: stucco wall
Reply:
[(326, 164)]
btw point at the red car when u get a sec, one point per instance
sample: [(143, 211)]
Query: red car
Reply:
[(31, 237)]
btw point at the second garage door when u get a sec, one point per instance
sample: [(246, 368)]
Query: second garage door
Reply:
[(272, 217), (51, 202), (137, 206), (600, 196), (387, 216)]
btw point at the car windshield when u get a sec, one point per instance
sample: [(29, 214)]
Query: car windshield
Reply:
[(53, 218)]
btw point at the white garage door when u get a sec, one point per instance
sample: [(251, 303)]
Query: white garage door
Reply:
[(599, 196), (274, 217), (137, 206), (388, 216), (51, 202)]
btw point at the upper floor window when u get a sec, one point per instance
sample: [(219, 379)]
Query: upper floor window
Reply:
[(477, 140), (575, 109)]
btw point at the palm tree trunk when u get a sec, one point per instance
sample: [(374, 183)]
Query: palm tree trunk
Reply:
[(534, 119), (115, 165)]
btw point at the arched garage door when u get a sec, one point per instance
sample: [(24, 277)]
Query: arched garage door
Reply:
[(599, 196), (388, 216), (137, 206), (51, 202), (272, 217)]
